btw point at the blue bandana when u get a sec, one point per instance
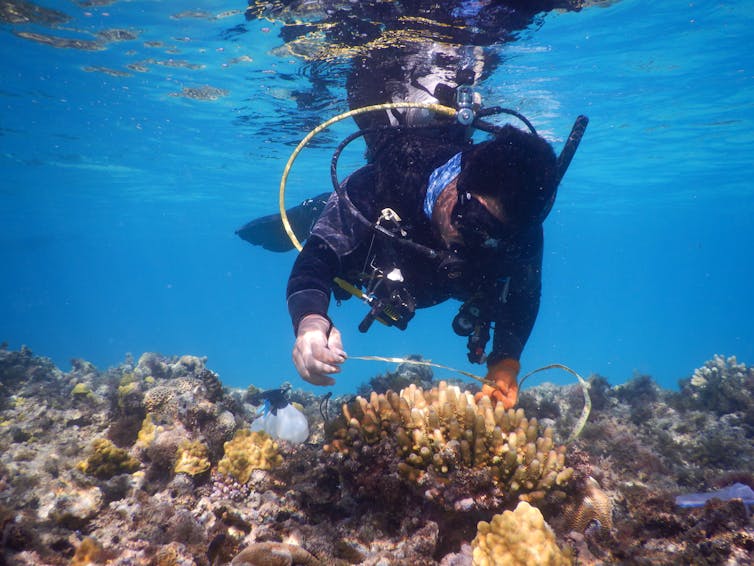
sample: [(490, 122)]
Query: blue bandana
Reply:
[(439, 179)]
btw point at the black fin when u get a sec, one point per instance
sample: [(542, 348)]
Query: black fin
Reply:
[(269, 233)]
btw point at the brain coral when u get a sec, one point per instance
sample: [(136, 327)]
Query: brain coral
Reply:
[(443, 437), (594, 506), (249, 451), (517, 538)]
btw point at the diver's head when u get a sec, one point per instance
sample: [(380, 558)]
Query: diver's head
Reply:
[(506, 185)]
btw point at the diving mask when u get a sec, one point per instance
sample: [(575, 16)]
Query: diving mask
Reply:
[(479, 228)]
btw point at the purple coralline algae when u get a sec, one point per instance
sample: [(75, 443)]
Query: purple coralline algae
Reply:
[(151, 463)]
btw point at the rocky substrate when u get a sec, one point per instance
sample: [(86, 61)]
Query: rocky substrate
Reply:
[(121, 467)]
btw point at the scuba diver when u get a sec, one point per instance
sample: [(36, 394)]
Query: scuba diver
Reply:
[(432, 216), (479, 208)]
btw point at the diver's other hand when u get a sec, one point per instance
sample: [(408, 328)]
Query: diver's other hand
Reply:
[(318, 350), (504, 374)]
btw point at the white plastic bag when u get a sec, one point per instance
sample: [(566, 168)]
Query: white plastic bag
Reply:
[(287, 424)]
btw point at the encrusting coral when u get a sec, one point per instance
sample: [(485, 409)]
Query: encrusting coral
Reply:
[(442, 435), (193, 458), (249, 451), (107, 460), (517, 538), (88, 552), (274, 554)]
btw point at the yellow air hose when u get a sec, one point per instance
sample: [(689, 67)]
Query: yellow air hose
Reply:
[(438, 108)]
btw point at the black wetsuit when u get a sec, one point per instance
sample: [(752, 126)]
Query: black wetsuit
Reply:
[(506, 282)]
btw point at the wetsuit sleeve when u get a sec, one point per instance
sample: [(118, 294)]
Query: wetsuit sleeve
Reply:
[(308, 289), (335, 235), (516, 310)]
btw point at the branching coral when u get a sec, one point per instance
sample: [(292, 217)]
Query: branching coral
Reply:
[(249, 451), (517, 538), (722, 385), (442, 434)]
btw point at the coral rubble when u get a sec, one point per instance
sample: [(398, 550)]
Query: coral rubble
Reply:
[(152, 462)]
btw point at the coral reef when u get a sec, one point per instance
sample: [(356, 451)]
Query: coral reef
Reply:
[(517, 538), (445, 443), (151, 462)]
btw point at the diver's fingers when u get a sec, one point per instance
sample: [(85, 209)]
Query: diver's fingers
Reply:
[(315, 371), (326, 359), (314, 360), (335, 345), (320, 377)]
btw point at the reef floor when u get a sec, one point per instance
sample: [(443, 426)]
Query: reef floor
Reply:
[(133, 465)]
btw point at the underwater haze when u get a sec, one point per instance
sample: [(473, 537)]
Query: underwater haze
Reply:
[(136, 137)]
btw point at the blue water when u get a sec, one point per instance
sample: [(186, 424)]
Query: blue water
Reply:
[(119, 197)]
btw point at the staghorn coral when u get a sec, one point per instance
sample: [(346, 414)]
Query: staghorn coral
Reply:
[(443, 436), (517, 538), (249, 451), (107, 460), (192, 458)]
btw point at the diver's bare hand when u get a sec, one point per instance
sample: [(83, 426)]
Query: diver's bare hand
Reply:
[(318, 350)]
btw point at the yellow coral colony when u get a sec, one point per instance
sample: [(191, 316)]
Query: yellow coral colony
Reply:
[(193, 458), (107, 461), (444, 429), (517, 538), (249, 451)]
